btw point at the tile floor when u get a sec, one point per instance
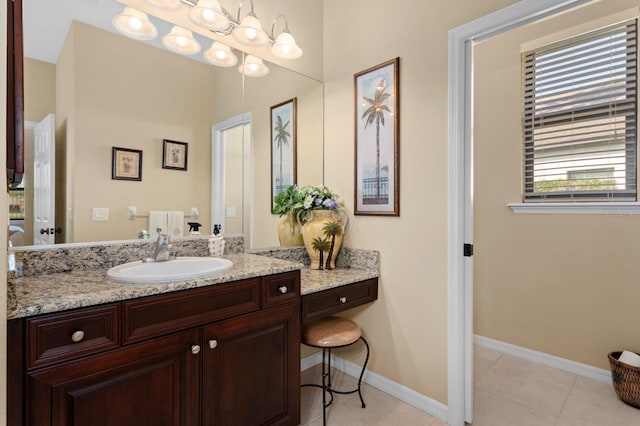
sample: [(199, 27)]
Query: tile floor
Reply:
[(508, 392)]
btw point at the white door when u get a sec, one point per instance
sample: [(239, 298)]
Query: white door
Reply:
[(44, 168)]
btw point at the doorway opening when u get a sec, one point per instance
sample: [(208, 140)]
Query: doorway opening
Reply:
[(231, 177)]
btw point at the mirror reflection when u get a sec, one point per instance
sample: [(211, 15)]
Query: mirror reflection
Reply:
[(105, 91)]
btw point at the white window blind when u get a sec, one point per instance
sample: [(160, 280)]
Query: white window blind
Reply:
[(579, 117)]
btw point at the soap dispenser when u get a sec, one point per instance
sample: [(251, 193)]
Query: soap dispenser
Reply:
[(216, 242), (194, 228)]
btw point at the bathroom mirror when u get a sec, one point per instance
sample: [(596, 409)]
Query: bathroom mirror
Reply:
[(112, 91)]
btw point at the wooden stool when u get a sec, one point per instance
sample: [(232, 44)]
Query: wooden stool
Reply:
[(329, 333)]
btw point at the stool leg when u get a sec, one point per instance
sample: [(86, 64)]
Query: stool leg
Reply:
[(364, 366), (324, 387), (329, 384)]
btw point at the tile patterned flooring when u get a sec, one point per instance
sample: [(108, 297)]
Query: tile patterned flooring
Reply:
[(508, 392)]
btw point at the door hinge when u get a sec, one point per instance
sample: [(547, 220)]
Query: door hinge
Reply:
[(468, 250)]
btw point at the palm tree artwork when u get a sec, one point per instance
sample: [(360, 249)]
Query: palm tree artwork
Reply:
[(332, 230), (321, 245), (375, 114), (281, 139)]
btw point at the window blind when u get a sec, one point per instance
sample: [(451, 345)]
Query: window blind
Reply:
[(579, 117)]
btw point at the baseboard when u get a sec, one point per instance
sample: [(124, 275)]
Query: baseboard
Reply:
[(398, 391), (563, 364)]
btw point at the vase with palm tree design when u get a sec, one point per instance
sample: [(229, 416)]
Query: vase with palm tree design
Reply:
[(322, 233), (289, 232)]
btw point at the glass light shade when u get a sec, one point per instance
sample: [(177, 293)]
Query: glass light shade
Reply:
[(253, 67), (180, 40), (208, 14), (221, 55), (134, 24), (285, 47), (164, 4), (250, 32)]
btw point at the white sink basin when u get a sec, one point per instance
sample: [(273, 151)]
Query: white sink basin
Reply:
[(179, 269)]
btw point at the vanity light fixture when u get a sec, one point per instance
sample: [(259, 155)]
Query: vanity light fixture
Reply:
[(181, 40), (253, 67), (135, 24), (164, 4), (284, 46), (250, 32), (209, 14), (221, 55)]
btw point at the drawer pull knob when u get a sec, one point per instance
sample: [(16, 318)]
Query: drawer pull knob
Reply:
[(77, 336), (283, 289), (213, 343), (342, 299), (195, 349)]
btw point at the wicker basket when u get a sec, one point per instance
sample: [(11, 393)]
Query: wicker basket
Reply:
[(626, 380)]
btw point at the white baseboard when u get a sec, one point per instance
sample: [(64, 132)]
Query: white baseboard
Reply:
[(563, 364), (398, 391)]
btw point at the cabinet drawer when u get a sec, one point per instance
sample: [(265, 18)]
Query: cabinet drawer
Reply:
[(157, 315), (281, 288), (63, 336), (329, 302)]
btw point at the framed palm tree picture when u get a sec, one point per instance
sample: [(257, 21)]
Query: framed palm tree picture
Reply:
[(377, 140), (283, 147)]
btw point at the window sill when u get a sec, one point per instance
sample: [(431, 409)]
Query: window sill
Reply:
[(602, 208)]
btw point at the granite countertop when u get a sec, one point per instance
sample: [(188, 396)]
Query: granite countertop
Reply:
[(55, 292)]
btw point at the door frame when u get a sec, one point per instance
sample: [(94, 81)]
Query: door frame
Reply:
[(460, 192), (217, 173)]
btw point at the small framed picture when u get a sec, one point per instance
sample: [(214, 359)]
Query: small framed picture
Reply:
[(174, 155), (283, 147), (126, 164), (377, 188)]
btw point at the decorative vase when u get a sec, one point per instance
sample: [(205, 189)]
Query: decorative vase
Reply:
[(289, 231), (321, 246)]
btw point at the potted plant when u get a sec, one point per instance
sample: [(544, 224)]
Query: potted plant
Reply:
[(289, 203), (321, 215)]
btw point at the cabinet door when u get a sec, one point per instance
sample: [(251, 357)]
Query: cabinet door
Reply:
[(151, 383), (251, 369)]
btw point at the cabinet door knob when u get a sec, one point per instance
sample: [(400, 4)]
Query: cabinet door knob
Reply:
[(77, 336), (195, 349), (283, 289), (213, 343), (342, 299)]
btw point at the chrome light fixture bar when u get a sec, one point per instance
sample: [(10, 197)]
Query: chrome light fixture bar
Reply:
[(248, 30), (209, 14)]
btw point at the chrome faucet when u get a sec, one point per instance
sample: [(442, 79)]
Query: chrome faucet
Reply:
[(162, 250)]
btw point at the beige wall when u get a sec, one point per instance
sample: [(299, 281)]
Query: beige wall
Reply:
[(39, 89), (407, 326), (561, 284)]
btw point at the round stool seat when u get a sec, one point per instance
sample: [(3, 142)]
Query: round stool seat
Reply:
[(330, 332)]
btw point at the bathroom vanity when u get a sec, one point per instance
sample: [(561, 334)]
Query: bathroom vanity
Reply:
[(220, 351)]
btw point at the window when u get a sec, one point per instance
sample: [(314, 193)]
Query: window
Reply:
[(579, 118)]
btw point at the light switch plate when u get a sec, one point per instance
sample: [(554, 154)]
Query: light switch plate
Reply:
[(100, 214), (231, 212)]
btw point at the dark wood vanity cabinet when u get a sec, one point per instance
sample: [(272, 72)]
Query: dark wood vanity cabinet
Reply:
[(220, 355)]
